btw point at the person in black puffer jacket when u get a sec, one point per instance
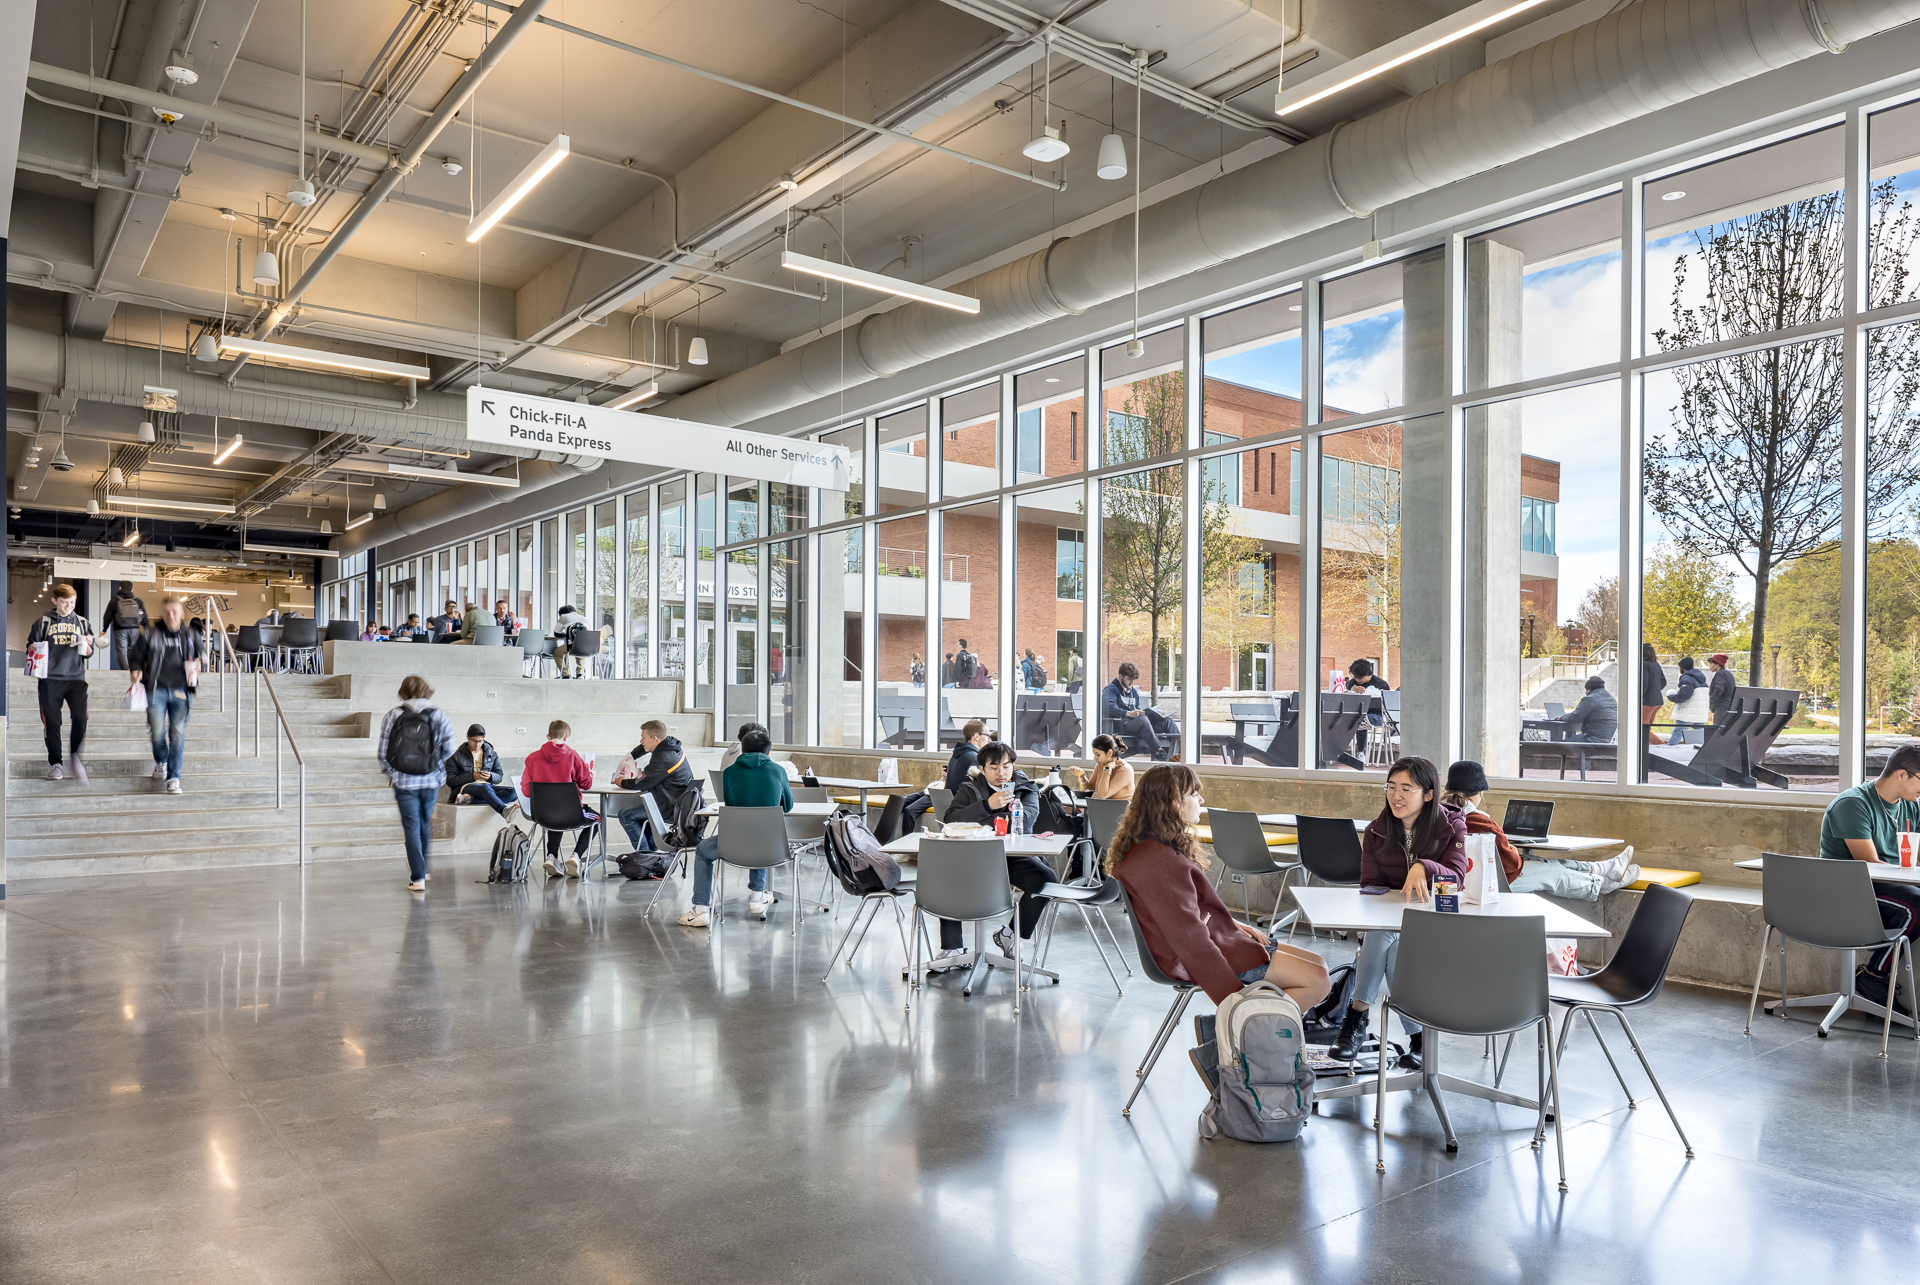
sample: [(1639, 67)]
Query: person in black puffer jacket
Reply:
[(474, 774), (988, 796)]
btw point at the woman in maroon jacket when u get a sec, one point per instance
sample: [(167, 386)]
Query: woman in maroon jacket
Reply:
[(1415, 840), (1189, 931)]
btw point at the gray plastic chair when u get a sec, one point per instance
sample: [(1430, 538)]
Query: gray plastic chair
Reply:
[(1329, 851), (536, 653), (754, 839), (300, 640), (942, 799), (809, 793), (1241, 845), (965, 879), (1081, 896), (1476, 975), (1183, 995), (657, 827), (1103, 820), (1828, 904), (717, 776), (490, 636)]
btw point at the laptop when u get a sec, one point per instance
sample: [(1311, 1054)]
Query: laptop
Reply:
[(1527, 820)]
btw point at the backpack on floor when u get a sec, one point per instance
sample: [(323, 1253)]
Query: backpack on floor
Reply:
[(646, 865), (511, 857), (856, 857), (1265, 1090)]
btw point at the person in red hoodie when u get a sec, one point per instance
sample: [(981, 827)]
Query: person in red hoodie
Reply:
[(1415, 840), (1191, 934), (557, 761)]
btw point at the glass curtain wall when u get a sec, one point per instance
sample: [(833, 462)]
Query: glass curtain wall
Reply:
[(549, 603), (675, 574), (1050, 412), (638, 651), (901, 606), (788, 663), (970, 618), (606, 579)]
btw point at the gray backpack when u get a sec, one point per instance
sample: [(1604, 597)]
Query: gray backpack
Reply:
[(1265, 1089)]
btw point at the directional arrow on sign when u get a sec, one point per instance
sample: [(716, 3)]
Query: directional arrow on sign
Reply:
[(486, 408)]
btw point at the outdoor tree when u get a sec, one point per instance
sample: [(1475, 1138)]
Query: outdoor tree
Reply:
[(1360, 550), (1749, 467), (1687, 603), (1599, 613)]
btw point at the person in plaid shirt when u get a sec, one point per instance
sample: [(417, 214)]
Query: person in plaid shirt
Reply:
[(415, 739)]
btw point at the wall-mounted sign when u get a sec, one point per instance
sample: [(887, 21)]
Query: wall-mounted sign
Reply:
[(497, 418), (103, 569)]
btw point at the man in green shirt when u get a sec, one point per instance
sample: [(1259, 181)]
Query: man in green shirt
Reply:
[(1864, 824)]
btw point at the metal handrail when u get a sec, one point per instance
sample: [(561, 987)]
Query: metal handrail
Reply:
[(239, 703)]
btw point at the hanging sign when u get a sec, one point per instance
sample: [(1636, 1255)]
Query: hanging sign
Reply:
[(498, 418), (103, 569)]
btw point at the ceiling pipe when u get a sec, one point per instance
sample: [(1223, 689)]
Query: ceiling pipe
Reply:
[(462, 501), (463, 89), (1628, 64), (243, 123)]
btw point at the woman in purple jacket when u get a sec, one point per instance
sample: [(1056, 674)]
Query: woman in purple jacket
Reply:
[(1414, 841)]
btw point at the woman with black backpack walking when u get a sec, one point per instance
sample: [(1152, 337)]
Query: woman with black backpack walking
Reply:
[(415, 739)]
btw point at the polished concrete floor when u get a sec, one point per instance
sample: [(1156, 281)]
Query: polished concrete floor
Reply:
[(253, 1076)]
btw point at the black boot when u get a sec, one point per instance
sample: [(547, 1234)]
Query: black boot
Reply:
[(1353, 1034), (1410, 1060)]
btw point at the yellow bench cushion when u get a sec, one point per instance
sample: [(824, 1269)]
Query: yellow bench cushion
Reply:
[(1205, 834), (1650, 875)]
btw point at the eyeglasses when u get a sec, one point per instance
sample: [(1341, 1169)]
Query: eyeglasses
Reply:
[(1404, 789)]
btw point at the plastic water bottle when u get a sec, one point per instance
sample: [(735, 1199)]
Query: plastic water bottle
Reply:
[(1019, 818)]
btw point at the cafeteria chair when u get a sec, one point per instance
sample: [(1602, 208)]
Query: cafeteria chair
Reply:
[(300, 638), (490, 636), (754, 839), (1241, 845), (1096, 892), (1632, 977), (555, 807), (1479, 976), (658, 830), (585, 646), (1183, 993), (869, 903), (1828, 904), (248, 650), (342, 631), (965, 879), (942, 799), (1329, 851), (536, 653), (718, 777)]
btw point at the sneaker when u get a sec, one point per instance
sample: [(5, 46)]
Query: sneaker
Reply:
[(953, 953), (759, 903), (173, 785), (55, 772), (1616, 881), (79, 770), (417, 885), (1872, 987), (553, 870), (159, 771), (573, 867), (1003, 940), (1204, 1028), (1353, 1035), (694, 917)]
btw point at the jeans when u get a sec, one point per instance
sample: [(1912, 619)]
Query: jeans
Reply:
[(1029, 875), (167, 710), (1374, 965), (563, 658), (1153, 733), (589, 821), (71, 692), (1578, 880), (122, 640), (494, 796), (1258, 974), (1899, 909), (634, 822), (703, 858), (416, 822)]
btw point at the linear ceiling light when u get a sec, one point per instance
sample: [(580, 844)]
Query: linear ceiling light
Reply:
[(449, 475), (362, 520), (874, 281), (317, 357), (1477, 18), (635, 397), (188, 506), (233, 444), (287, 548), (542, 165)]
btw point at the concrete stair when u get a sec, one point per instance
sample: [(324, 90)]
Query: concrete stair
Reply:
[(122, 821)]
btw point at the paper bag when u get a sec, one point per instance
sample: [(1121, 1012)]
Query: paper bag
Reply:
[(1481, 886), (37, 660), (1561, 954), (888, 772), (136, 698), (1910, 847)]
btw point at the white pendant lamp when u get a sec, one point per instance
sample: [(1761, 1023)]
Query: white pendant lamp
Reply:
[(115, 477), (1047, 145), (697, 351), (266, 268), (146, 431), (93, 508), (205, 348), (1113, 157)]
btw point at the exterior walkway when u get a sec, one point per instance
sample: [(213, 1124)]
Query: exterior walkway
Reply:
[(244, 1075)]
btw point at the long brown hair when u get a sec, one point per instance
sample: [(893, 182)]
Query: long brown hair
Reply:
[(1154, 814)]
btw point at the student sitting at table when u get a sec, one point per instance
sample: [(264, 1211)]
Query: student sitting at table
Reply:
[(1596, 719), (1122, 711), (1188, 930), (445, 627), (1575, 880), (667, 775), (754, 781), (1415, 840), (1864, 824), (557, 761), (987, 796), (960, 764), (1112, 776)]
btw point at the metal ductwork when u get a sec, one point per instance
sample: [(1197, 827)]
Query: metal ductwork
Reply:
[(116, 373), (1643, 58), (461, 501)]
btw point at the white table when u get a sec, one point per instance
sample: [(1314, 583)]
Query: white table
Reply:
[(1031, 845), (1882, 871), (1354, 911), (814, 811), (1567, 843), (854, 783), (1288, 821)]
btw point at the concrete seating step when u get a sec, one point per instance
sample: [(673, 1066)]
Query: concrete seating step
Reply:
[(255, 852), (158, 816)]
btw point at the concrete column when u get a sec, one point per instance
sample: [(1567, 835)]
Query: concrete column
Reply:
[(16, 18), (1490, 612), (1426, 480)]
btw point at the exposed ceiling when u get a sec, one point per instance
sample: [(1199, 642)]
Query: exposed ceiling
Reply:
[(120, 232)]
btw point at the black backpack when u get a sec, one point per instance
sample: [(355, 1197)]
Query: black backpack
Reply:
[(684, 829), (646, 865), (126, 613), (1055, 815), (963, 668), (410, 744)]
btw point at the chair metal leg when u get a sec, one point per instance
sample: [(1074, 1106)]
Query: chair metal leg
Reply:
[(834, 958), (1160, 1037), (1754, 1000), (862, 939), (1553, 1076), (1430, 1075), (1380, 1105), (1101, 913), (1587, 1013), (1647, 1066), (1893, 984), (1540, 1090), (1095, 938)]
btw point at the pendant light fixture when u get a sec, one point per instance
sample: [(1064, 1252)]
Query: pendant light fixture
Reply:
[(697, 350), (206, 348), (300, 191), (266, 268), (500, 206), (1113, 148), (1047, 145), (146, 434)]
